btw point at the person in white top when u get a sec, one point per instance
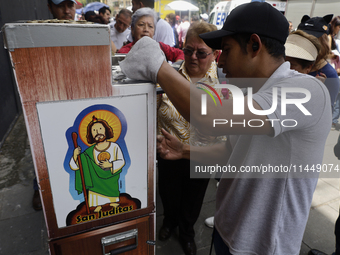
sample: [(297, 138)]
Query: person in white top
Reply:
[(119, 28), (163, 32), (182, 31)]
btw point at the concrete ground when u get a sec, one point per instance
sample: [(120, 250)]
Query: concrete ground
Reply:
[(23, 230)]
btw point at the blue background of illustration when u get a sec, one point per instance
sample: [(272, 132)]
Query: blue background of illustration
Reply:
[(120, 141)]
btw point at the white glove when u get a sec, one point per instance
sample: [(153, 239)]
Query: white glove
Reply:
[(143, 61)]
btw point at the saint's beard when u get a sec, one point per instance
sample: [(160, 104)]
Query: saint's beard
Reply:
[(99, 138)]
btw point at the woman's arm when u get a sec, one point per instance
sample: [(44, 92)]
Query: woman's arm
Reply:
[(172, 54), (125, 48)]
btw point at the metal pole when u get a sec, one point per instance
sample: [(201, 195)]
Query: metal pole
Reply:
[(312, 9)]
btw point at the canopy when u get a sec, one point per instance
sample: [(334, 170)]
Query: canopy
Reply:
[(78, 4), (181, 6), (94, 6)]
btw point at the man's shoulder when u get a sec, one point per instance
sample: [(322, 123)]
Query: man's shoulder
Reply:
[(126, 32), (303, 80), (285, 77)]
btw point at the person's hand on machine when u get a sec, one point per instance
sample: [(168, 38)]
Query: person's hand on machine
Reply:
[(143, 61)]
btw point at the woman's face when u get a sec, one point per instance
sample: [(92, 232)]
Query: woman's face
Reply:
[(336, 30), (197, 67), (295, 65), (143, 27)]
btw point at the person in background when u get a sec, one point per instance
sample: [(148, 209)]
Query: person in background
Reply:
[(62, 9), (318, 27), (143, 24), (204, 17), (182, 31), (335, 62), (302, 50), (334, 29), (163, 31), (119, 28), (171, 19), (91, 16), (178, 21), (291, 28), (182, 205), (194, 19), (105, 14)]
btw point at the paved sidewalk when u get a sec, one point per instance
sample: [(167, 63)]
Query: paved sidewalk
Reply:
[(23, 230)]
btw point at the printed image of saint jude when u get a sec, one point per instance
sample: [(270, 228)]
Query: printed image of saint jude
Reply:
[(99, 169)]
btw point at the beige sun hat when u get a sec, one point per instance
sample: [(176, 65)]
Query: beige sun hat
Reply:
[(300, 47)]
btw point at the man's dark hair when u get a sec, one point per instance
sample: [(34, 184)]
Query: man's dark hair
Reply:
[(89, 14), (125, 12), (194, 18), (103, 10), (108, 130), (274, 47)]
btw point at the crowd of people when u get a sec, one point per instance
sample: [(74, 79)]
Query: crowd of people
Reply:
[(253, 215)]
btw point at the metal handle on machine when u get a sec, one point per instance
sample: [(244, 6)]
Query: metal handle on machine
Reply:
[(123, 249), (121, 237)]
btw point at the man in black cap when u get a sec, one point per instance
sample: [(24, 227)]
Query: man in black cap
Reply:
[(62, 9), (275, 133)]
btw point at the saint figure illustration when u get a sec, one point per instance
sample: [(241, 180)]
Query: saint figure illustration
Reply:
[(101, 164)]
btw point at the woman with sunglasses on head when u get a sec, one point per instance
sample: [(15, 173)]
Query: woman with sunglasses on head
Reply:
[(181, 195), (143, 24)]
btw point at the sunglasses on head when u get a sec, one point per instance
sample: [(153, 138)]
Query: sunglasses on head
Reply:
[(199, 54)]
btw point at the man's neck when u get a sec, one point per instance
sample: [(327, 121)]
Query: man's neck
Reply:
[(265, 70), (102, 146)]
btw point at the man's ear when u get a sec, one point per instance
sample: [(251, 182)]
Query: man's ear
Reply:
[(254, 45), (141, 5), (216, 52)]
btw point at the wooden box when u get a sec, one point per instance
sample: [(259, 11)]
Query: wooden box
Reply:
[(93, 182)]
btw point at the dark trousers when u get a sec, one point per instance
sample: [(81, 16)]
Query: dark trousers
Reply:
[(220, 247), (337, 236), (182, 197), (35, 184)]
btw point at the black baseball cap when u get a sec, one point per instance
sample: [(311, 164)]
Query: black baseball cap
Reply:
[(256, 18), (316, 26)]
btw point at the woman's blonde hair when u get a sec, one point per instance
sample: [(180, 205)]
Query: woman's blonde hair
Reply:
[(199, 28), (325, 49)]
